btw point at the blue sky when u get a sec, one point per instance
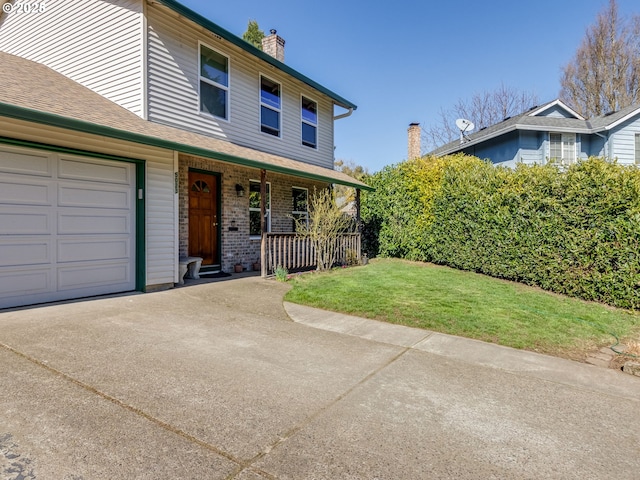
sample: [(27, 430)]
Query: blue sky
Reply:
[(403, 61)]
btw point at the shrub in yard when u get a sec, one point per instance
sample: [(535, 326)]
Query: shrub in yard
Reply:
[(281, 273), (576, 232), (326, 223), (398, 213)]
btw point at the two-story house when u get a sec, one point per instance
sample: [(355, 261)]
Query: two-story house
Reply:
[(554, 133), (137, 132)]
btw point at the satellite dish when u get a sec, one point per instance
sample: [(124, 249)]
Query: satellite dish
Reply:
[(464, 126)]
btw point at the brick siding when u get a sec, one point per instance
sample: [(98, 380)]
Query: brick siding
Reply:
[(237, 246)]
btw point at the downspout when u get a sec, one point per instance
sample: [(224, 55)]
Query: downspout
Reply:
[(606, 143), (358, 218)]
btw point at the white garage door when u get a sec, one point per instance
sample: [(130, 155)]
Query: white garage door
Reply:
[(67, 226)]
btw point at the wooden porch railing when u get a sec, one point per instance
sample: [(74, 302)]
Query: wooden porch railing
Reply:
[(294, 252)]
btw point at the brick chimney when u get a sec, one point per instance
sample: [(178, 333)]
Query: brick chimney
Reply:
[(273, 45), (414, 141)]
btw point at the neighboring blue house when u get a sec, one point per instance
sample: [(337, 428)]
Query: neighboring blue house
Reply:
[(554, 132)]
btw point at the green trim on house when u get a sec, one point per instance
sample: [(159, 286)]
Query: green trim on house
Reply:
[(246, 46), (141, 253), (141, 227), (31, 115)]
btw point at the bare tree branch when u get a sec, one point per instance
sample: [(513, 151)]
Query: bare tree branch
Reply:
[(604, 75), (483, 109)]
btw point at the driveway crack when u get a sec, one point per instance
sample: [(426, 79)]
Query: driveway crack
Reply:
[(297, 428), (137, 411)]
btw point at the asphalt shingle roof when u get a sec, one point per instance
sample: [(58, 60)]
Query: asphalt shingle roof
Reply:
[(525, 121), (34, 92)]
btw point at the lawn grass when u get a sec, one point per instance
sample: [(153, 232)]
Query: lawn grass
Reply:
[(467, 304)]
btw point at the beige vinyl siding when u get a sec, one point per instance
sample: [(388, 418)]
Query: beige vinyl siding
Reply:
[(173, 83), (161, 247), (96, 43), (622, 142)]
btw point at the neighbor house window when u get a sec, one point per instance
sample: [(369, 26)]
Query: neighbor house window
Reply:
[(254, 208), (270, 106), (214, 83), (562, 148), (309, 123), (300, 212), (637, 148)]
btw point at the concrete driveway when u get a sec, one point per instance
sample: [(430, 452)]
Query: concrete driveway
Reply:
[(216, 381)]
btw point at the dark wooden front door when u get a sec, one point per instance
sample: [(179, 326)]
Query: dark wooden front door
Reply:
[(203, 217)]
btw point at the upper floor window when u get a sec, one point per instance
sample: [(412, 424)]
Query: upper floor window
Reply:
[(270, 106), (254, 208), (309, 123), (300, 210), (562, 148), (214, 83)]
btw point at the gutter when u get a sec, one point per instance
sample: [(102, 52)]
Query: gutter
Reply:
[(344, 115), (515, 127), (55, 120), (458, 146)]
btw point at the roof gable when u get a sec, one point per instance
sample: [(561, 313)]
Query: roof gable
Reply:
[(555, 109)]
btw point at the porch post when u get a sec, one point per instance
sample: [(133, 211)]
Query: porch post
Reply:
[(263, 223), (358, 220)]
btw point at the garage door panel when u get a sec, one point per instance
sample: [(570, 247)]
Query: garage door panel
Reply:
[(17, 252), (26, 163), (70, 195), (21, 191), (25, 222), (95, 275), (105, 223), (67, 226), (24, 282), (94, 170), (81, 250)]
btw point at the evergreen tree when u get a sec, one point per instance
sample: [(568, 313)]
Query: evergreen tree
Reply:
[(253, 34)]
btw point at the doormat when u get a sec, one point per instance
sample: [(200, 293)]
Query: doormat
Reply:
[(214, 275)]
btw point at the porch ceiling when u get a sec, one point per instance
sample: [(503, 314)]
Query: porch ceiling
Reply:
[(34, 92)]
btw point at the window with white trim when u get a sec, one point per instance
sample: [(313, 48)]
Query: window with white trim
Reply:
[(214, 83), (270, 106), (562, 148), (309, 111), (300, 211), (254, 208)]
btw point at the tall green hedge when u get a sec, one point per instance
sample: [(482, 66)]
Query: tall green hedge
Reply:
[(575, 232)]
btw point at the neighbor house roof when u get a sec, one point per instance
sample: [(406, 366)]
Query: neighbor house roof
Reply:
[(248, 47), (33, 92), (530, 121)]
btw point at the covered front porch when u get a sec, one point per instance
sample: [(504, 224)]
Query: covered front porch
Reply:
[(239, 218)]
